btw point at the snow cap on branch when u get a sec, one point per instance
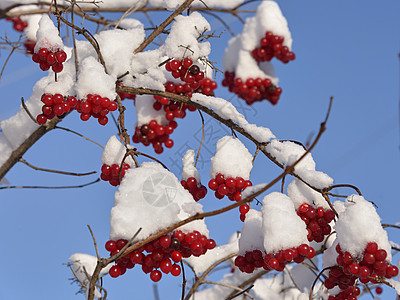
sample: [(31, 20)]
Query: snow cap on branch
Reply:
[(92, 79), (252, 237), (282, 227), (183, 38), (150, 197), (358, 225), (189, 170), (114, 153), (47, 36), (231, 159)]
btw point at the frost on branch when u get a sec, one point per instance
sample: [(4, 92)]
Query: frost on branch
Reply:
[(227, 111), (287, 153), (151, 198), (82, 267)]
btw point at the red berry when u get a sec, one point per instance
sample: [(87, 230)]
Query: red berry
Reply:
[(176, 270), (379, 290), (111, 246), (41, 119), (57, 68), (392, 271), (51, 59), (371, 247), (176, 256), (244, 209), (187, 62), (155, 275), (61, 56), (115, 271), (191, 182), (212, 184), (380, 254)]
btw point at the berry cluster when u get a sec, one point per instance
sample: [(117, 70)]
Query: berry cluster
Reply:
[(317, 221), (111, 173), (18, 24), (97, 107), (207, 87), (231, 187), (46, 59), (253, 89), (370, 268), (188, 72), (271, 46), (195, 188), (350, 293), (172, 110), (255, 259), (55, 105), (155, 134), (163, 253)]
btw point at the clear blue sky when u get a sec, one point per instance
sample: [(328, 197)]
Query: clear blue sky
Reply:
[(345, 49)]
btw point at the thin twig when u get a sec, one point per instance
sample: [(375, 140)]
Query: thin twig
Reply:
[(27, 110), (78, 134), (390, 225), (94, 242), (248, 281), (183, 281), (48, 187), (202, 138), (316, 279), (55, 171), (162, 26)]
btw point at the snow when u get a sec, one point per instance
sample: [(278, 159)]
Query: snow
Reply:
[(182, 40), (203, 262), (300, 193), (92, 79), (145, 71), (282, 227), (358, 225), (117, 46), (114, 153), (151, 190), (83, 266), (252, 190), (287, 153), (47, 36), (227, 111), (145, 111), (252, 237), (189, 170), (232, 159)]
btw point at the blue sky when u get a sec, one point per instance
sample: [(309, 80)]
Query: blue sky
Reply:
[(345, 49)]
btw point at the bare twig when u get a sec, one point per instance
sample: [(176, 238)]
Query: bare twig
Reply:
[(78, 134), (183, 281), (27, 110), (202, 138), (162, 26), (48, 187), (94, 242), (55, 171)]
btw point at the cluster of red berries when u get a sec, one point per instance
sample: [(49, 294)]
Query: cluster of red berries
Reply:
[(46, 59), (252, 90), (255, 259), (271, 46), (195, 188), (55, 105), (18, 24), (188, 72), (112, 173), (97, 107), (317, 221), (350, 293), (163, 253), (370, 268), (231, 187), (155, 134), (172, 110)]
